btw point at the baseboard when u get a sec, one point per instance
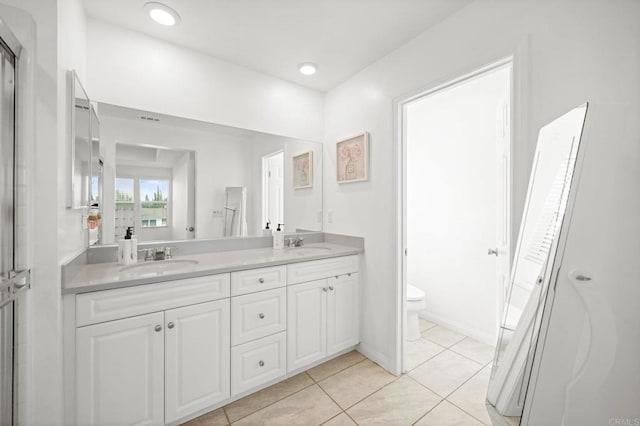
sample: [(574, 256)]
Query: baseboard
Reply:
[(460, 328), (378, 357)]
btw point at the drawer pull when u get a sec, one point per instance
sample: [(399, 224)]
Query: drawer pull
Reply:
[(158, 328), (261, 315), (170, 325), (336, 277), (349, 274), (261, 280), (331, 287), (261, 363)]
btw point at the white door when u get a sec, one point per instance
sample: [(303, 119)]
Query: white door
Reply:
[(197, 357), (502, 249), (274, 189), (119, 372), (343, 325), (306, 323)]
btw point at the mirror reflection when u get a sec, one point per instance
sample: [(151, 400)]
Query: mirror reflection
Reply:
[(173, 178), (80, 148)]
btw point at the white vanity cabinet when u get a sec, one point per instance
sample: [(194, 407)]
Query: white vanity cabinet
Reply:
[(120, 372), (322, 314), (165, 352), (158, 367)]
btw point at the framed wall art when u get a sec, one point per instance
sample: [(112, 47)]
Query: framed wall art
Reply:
[(352, 159), (303, 170)]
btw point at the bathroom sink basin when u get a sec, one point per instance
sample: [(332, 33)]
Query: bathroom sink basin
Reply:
[(161, 266)]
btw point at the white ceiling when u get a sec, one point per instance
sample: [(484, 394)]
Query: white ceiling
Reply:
[(274, 36)]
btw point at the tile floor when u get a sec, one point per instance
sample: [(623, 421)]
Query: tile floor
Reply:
[(446, 384)]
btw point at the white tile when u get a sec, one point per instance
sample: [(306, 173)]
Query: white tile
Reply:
[(442, 336), (419, 351), (475, 350), (307, 407), (447, 414), (356, 383), (399, 403), (471, 396), (425, 325), (445, 372)]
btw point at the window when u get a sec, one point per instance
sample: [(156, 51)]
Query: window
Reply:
[(141, 203)]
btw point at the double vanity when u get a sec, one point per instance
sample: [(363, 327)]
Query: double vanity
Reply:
[(163, 342)]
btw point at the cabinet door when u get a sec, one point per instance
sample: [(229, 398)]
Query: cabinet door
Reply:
[(306, 323), (343, 313), (197, 357), (119, 372)]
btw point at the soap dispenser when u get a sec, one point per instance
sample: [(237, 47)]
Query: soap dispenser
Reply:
[(267, 232), (278, 237), (125, 249)]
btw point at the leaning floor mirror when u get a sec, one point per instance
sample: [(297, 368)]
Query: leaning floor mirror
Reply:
[(538, 252)]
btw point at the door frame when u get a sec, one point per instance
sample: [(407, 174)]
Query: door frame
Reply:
[(518, 131)]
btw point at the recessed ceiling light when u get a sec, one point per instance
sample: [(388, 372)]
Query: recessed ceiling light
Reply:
[(162, 14), (307, 68)]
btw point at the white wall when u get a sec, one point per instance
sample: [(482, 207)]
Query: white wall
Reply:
[(130, 69), (452, 202), (72, 48), (575, 51)]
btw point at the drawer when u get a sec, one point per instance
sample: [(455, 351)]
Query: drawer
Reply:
[(319, 269), (107, 305), (257, 315), (253, 280), (258, 362)]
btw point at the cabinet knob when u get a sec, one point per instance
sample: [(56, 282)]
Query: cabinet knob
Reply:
[(261, 280), (171, 325), (261, 315), (331, 287), (324, 289), (261, 363), (158, 328), (349, 274), (336, 277)]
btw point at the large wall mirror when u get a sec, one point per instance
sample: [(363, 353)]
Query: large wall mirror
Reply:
[(173, 178)]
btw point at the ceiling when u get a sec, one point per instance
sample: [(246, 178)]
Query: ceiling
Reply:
[(274, 36)]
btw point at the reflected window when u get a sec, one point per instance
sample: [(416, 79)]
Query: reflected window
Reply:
[(141, 203), (154, 196)]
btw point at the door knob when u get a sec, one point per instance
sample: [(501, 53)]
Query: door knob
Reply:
[(492, 251)]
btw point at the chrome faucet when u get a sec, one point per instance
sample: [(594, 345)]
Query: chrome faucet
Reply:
[(295, 242), (157, 253)]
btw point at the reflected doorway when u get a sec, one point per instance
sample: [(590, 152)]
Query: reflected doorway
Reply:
[(273, 189)]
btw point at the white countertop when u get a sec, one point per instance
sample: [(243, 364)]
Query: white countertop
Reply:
[(105, 276)]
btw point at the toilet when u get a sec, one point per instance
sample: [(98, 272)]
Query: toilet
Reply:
[(415, 304)]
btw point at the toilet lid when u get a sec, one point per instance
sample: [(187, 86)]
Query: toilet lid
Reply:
[(414, 293)]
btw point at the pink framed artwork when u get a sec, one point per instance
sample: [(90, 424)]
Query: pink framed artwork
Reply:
[(352, 159), (303, 170)]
